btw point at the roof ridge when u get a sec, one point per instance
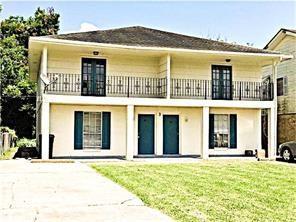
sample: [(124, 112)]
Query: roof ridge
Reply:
[(196, 37)]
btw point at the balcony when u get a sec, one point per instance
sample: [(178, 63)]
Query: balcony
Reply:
[(119, 86), (148, 87), (205, 89)]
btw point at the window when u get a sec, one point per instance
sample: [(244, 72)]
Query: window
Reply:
[(221, 130), (92, 130), (282, 86)]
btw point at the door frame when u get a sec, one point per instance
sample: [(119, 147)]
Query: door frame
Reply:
[(81, 74), (136, 141), (179, 132), (231, 80)]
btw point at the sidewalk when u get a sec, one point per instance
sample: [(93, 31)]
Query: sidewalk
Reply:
[(67, 192)]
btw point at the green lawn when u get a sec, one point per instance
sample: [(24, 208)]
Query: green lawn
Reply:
[(212, 190)]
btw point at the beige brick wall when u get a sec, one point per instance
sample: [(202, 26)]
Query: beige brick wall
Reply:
[(286, 128)]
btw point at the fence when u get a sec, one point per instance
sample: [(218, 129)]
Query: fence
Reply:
[(6, 142)]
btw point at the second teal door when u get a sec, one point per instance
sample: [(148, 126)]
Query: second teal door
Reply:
[(145, 134), (170, 134)]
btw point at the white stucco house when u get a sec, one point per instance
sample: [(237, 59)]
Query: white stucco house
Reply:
[(138, 91)]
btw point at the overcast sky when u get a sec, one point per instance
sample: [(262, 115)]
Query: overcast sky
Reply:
[(241, 22)]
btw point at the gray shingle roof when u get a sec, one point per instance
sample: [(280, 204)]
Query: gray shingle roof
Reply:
[(147, 37)]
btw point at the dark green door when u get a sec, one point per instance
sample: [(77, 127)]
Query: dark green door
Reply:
[(93, 77), (170, 134), (221, 82), (145, 134)]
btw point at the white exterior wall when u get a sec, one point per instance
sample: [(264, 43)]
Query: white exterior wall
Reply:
[(62, 126), (189, 68), (190, 129), (248, 131), (119, 65), (140, 65)]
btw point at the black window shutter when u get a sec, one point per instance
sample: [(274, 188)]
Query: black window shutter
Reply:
[(78, 124), (106, 130), (233, 131), (211, 131)]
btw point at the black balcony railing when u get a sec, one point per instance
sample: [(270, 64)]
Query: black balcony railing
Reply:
[(190, 88), (125, 86), (135, 86), (239, 90), (128, 86)]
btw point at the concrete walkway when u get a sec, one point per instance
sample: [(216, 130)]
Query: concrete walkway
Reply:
[(68, 192)]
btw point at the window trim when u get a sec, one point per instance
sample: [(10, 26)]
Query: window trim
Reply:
[(280, 86), (219, 66), (284, 80), (228, 140), (92, 148)]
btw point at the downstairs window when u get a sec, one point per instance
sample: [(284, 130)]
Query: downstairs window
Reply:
[(92, 130)]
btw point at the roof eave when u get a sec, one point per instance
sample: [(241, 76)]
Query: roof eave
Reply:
[(280, 34), (47, 40)]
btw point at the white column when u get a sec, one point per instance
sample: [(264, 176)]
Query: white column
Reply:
[(272, 134), (205, 132), (43, 68), (272, 118), (259, 140), (130, 132), (44, 61), (45, 130), (168, 75), (159, 134)]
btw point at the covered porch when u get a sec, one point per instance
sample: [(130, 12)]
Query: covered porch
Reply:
[(192, 127)]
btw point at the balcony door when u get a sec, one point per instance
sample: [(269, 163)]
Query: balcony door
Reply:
[(221, 82), (93, 77)]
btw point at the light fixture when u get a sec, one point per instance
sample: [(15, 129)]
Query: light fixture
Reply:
[(227, 60), (95, 52)]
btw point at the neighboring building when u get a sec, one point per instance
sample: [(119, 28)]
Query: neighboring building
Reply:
[(138, 91), (285, 42)]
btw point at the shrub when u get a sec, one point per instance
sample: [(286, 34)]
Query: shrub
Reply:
[(6, 129), (24, 142)]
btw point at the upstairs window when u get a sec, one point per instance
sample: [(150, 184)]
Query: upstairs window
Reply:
[(282, 84)]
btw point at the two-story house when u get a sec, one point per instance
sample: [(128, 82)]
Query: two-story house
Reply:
[(285, 42), (138, 91)]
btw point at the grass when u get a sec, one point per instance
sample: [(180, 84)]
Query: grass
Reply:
[(212, 190), (8, 154)]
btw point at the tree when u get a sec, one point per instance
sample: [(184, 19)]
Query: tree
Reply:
[(18, 94)]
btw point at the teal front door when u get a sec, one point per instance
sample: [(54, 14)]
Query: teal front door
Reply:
[(170, 134), (145, 134)]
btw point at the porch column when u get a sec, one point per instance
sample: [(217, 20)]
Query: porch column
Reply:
[(159, 134), (43, 68), (272, 133), (272, 117), (205, 132), (259, 140), (168, 75), (130, 132), (45, 130)]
